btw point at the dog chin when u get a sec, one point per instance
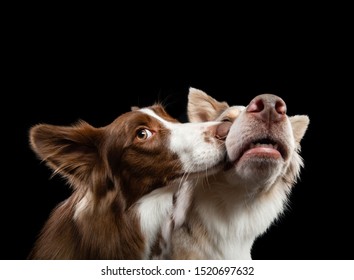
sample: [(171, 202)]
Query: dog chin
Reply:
[(257, 171)]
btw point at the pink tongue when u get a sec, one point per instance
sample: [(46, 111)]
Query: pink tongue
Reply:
[(263, 151)]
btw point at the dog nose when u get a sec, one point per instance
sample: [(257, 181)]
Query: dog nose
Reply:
[(267, 107), (222, 130)]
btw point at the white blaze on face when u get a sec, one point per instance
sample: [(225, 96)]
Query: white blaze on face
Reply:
[(195, 146)]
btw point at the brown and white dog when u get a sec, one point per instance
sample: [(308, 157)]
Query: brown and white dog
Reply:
[(220, 217), (123, 176)]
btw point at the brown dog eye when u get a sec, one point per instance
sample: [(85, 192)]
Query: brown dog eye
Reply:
[(143, 134)]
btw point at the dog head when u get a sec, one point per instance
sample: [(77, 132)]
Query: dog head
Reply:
[(140, 151), (220, 216), (118, 174), (263, 143)]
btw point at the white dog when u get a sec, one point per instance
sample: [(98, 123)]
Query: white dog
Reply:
[(219, 217)]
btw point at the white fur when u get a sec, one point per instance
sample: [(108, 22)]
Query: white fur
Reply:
[(196, 154), (83, 205), (179, 213), (188, 141), (231, 208), (233, 223), (153, 210)]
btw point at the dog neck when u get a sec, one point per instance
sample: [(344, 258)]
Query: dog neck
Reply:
[(152, 210), (233, 216)]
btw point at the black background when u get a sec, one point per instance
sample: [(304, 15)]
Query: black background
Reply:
[(58, 73)]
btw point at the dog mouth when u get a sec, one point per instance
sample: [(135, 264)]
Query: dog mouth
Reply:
[(265, 148)]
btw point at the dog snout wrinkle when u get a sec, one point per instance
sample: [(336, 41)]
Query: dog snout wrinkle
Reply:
[(268, 108)]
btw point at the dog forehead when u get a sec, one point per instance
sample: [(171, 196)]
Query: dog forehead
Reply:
[(159, 114)]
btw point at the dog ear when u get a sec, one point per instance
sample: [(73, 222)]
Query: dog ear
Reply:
[(69, 150), (202, 107), (299, 124)]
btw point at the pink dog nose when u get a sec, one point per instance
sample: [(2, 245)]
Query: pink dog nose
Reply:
[(267, 107)]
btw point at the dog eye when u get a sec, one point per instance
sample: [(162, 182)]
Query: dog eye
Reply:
[(143, 134), (226, 120)]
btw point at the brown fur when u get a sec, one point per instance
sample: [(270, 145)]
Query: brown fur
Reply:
[(110, 168)]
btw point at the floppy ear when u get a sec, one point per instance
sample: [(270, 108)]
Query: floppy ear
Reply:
[(299, 124), (202, 107), (69, 150)]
